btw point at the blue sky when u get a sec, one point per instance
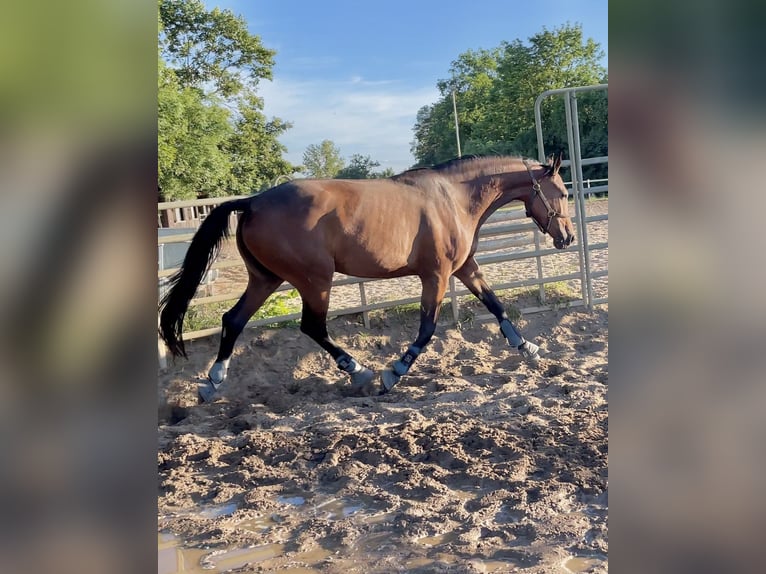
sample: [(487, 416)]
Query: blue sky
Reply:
[(357, 72)]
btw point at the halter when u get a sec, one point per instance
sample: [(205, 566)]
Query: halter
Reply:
[(538, 192)]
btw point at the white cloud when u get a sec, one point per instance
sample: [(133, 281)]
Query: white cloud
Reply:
[(368, 118)]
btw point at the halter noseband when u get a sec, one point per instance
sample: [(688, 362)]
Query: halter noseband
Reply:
[(538, 192)]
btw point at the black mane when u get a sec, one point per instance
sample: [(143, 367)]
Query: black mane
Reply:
[(457, 162)]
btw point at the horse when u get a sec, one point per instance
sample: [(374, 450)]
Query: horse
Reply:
[(423, 222)]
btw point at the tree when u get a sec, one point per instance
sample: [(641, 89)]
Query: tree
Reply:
[(322, 160), (553, 59), (255, 151), (211, 47), (191, 136), (359, 167), (496, 91), (214, 138)]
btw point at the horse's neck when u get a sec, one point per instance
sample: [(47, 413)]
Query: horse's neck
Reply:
[(488, 194)]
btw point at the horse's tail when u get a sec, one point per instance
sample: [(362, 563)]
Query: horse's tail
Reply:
[(203, 250)]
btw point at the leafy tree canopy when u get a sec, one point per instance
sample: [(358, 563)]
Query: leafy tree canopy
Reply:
[(363, 167), (322, 160), (495, 91), (211, 47), (214, 138)]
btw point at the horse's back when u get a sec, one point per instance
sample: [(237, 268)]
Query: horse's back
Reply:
[(368, 228)]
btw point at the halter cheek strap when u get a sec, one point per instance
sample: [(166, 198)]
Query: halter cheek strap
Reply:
[(537, 191)]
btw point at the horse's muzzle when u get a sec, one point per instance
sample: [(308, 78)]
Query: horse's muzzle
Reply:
[(564, 242)]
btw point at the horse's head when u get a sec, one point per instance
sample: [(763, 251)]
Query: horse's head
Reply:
[(547, 203)]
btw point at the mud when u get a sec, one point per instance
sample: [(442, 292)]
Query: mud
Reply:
[(476, 462)]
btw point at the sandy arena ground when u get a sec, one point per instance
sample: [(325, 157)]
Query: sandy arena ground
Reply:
[(476, 462)]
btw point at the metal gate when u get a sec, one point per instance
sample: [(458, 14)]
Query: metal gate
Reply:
[(579, 190)]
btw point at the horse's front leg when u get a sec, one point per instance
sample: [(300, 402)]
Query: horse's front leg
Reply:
[(472, 277), (434, 288)]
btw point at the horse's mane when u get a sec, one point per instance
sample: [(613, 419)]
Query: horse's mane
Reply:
[(469, 166)]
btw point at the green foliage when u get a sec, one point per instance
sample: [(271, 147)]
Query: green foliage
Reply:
[(359, 167), (255, 151), (214, 139), (211, 47), (192, 131), (495, 92), (322, 160), (209, 315), (362, 167)]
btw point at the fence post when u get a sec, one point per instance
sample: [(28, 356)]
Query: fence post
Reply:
[(578, 192), (365, 313), (583, 210), (453, 296), (539, 266)]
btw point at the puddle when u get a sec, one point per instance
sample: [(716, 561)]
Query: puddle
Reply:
[(173, 559), (292, 500), (337, 509), (438, 540), (259, 524), (414, 563), (509, 516), (380, 518), (497, 565), (221, 561), (582, 563), (424, 552), (217, 511), (373, 543)]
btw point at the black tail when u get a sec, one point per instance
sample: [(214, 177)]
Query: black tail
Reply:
[(202, 252)]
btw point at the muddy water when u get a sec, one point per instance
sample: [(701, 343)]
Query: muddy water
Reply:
[(176, 556), (583, 564)]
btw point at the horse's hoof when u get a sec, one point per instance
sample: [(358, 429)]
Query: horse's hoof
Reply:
[(530, 352), (362, 377), (362, 383), (207, 390), (388, 379), (369, 389)]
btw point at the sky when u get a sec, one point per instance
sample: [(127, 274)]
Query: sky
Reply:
[(357, 72)]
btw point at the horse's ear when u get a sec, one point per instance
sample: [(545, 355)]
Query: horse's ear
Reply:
[(548, 165), (557, 162)]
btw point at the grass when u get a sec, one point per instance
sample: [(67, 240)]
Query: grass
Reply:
[(557, 294), (209, 315)]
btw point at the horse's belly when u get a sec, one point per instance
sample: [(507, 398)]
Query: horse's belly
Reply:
[(362, 263)]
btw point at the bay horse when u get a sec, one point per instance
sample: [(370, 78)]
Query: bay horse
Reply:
[(422, 222)]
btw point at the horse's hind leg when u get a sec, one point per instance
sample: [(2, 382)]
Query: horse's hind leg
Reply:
[(261, 284), (434, 288), (472, 277), (316, 302)]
